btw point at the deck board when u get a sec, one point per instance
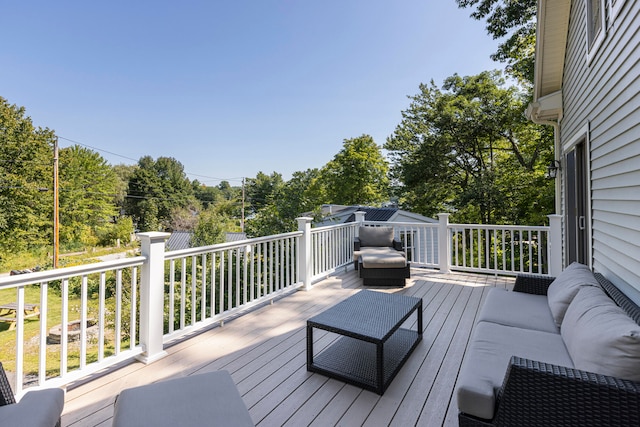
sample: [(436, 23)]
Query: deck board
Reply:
[(265, 352)]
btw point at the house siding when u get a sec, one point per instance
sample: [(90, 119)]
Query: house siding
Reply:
[(603, 96)]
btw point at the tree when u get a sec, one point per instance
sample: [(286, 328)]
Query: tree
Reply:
[(156, 189), (516, 21), (297, 196), (89, 187), (467, 148), (211, 228), (357, 174), (26, 181), (261, 190)]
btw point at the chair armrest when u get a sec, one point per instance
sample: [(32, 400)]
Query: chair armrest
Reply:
[(356, 243), (36, 408), (397, 245), (537, 393), (532, 284)]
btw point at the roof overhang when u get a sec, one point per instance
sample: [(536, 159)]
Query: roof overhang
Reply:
[(551, 44), (546, 108)]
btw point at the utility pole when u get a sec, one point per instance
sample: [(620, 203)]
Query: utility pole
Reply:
[(56, 216)]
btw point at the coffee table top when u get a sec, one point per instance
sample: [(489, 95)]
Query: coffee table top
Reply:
[(367, 315)]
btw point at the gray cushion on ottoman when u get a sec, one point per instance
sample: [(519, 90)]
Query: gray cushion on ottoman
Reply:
[(518, 309), (383, 260), (210, 399), (488, 357)]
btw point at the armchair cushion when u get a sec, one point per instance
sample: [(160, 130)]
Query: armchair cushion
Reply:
[(600, 336), (376, 236)]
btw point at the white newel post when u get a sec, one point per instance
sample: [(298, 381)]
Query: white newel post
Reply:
[(555, 244), (304, 260), (444, 249), (152, 296), (359, 220)]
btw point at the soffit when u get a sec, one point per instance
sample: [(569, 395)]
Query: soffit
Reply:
[(551, 42)]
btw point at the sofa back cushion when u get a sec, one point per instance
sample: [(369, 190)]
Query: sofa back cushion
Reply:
[(565, 287), (600, 336), (376, 236)]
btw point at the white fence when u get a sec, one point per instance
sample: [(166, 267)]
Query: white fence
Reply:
[(134, 307)]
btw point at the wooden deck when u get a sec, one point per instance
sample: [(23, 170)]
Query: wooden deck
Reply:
[(265, 352)]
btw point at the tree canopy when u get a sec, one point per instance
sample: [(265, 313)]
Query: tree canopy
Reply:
[(26, 180), (357, 174), (467, 148), (156, 189), (515, 20)]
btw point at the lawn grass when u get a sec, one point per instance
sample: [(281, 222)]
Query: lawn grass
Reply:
[(32, 335)]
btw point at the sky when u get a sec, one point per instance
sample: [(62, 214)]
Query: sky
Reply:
[(230, 88)]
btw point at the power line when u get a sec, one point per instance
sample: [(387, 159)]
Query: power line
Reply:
[(238, 179)]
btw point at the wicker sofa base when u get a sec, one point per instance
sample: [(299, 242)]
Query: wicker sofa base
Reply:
[(384, 276)]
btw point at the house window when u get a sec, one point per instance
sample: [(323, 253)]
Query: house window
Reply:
[(614, 8), (595, 25)]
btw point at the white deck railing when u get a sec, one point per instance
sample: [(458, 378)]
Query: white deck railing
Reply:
[(135, 307)]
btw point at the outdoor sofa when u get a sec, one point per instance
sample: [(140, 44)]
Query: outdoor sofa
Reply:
[(563, 351), (40, 408), (379, 257)]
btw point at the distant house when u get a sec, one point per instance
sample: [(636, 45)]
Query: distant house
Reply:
[(182, 239), (178, 240), (586, 86), (340, 214), (419, 242)]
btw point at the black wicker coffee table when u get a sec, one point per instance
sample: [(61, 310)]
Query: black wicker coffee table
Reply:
[(375, 338)]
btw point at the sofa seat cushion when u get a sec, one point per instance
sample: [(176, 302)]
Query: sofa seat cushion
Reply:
[(393, 259), (518, 309), (565, 287), (601, 337), (376, 236), (487, 360)]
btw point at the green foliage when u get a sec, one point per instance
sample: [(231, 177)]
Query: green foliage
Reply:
[(300, 195), (357, 174), (516, 21), (156, 189), (468, 149), (88, 189), (211, 228), (261, 190), (26, 181)]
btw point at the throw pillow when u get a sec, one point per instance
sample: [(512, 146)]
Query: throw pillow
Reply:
[(565, 287), (600, 336)]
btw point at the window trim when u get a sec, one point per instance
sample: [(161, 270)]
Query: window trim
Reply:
[(592, 48), (614, 8)]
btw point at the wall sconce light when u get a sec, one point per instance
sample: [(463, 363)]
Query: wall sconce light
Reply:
[(553, 168)]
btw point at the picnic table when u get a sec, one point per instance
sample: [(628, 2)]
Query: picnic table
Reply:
[(8, 312)]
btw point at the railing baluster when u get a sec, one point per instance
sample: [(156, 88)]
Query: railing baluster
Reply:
[(44, 315), (63, 327), (19, 338), (172, 296), (203, 303), (118, 319), (102, 315), (183, 293)]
